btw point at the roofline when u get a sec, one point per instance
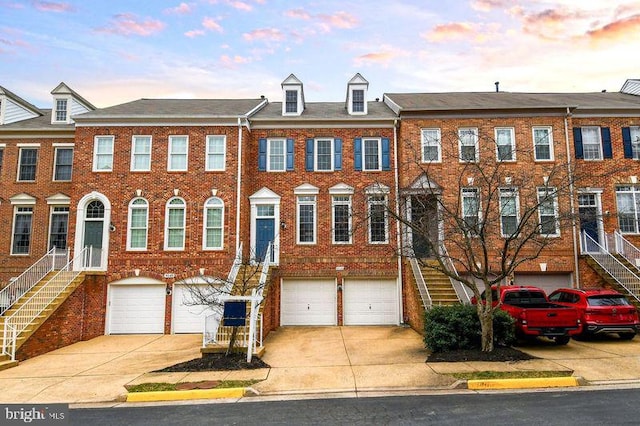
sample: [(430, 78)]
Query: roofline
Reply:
[(8, 93)]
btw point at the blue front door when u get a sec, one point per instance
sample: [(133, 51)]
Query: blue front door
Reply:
[(265, 231)]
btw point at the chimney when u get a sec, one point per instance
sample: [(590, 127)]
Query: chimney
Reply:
[(497, 83)]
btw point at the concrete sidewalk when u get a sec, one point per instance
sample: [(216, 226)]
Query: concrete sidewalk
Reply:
[(303, 360)]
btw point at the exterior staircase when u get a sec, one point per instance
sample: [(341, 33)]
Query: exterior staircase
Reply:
[(31, 302), (439, 286)]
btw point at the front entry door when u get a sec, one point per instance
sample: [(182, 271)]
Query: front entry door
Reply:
[(424, 218), (589, 223), (93, 233), (265, 233)]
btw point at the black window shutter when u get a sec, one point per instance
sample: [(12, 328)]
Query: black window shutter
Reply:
[(262, 154), (577, 142), (357, 154), (607, 150), (289, 154), (386, 154), (337, 155), (309, 155), (626, 142)]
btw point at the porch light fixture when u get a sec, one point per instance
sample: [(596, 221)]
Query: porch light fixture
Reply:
[(469, 181), (283, 225), (168, 290)]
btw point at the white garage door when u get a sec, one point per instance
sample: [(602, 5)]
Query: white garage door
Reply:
[(308, 302), (136, 309), (547, 282), (370, 302), (187, 317)]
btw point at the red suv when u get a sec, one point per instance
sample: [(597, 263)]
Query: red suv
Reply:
[(602, 311)]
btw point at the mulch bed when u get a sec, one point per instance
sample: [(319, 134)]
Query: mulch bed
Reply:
[(216, 362), (499, 354)]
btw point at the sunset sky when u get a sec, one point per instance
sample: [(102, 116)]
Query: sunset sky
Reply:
[(115, 51)]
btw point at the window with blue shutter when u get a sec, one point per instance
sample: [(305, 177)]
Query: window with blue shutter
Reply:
[(386, 154), (577, 142), (607, 150), (337, 155), (289, 154), (308, 156), (357, 154), (262, 154), (626, 142)]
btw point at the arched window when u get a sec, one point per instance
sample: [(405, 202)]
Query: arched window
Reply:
[(138, 224), (175, 220), (213, 224), (95, 210)]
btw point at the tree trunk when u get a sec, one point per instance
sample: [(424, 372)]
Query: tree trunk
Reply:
[(232, 341), (486, 326)]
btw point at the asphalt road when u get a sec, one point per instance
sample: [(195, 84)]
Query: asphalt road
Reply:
[(598, 407)]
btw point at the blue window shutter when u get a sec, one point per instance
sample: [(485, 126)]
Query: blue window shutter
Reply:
[(386, 155), (626, 142), (308, 159), (289, 154), (357, 152), (262, 154), (607, 150), (337, 154), (577, 142)]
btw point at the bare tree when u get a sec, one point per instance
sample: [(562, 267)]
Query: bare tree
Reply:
[(478, 215)]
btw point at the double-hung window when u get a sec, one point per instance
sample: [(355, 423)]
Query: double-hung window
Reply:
[(508, 211), (22, 229), (59, 227), (591, 143), (635, 142), (291, 101), (103, 154), (471, 210), (27, 164), (306, 219), (341, 218), (324, 155), (138, 224), (61, 112), (542, 144), (505, 144), (63, 164), (431, 146), (276, 154), (548, 211), (357, 104), (213, 224), (628, 200), (141, 153), (372, 154), (178, 153), (378, 229), (175, 221), (468, 144), (216, 153)]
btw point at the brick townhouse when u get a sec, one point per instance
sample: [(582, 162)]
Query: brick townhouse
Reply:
[(163, 191)]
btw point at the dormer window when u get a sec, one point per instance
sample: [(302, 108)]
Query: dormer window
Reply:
[(61, 111), (356, 95), (358, 101), (291, 101), (293, 96)]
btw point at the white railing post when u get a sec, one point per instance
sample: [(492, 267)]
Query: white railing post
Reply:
[(252, 326)]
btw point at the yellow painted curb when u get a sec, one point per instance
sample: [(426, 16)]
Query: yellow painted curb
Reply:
[(185, 394), (549, 382)]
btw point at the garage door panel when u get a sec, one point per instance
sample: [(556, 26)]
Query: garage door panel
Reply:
[(136, 309), (370, 302), (547, 282), (187, 317), (308, 302)]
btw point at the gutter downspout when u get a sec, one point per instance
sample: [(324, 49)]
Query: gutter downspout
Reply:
[(572, 201), (239, 183), (397, 212)]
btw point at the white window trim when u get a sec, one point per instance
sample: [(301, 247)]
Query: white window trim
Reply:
[(133, 152), (204, 224), (553, 193), (208, 166), (298, 111), (316, 152), (477, 145), (170, 153), (635, 144), (384, 203), (51, 212), (54, 112), (352, 111), (313, 203), (634, 191), (55, 162), (423, 144), (333, 217), (129, 223), (513, 144), (475, 191), (95, 153), (364, 154), (168, 207), (600, 151), (13, 229), (284, 158), (533, 136), (20, 150), (511, 192)]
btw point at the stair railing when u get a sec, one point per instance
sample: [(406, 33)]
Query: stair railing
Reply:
[(627, 250), (52, 260), (427, 302), (625, 277), (31, 309)]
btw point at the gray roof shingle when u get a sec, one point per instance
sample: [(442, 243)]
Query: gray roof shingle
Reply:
[(325, 111)]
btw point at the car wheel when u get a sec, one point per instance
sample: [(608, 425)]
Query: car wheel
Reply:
[(626, 336), (562, 340)]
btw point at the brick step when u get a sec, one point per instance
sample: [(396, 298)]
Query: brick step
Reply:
[(4, 365)]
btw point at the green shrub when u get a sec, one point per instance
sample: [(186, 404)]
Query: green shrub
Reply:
[(454, 327)]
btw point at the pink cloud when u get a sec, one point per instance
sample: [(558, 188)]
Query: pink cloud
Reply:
[(297, 14), (181, 9), (231, 61), (450, 31), (620, 29), (374, 58), (211, 24), (50, 6), (129, 24), (341, 20), (194, 33), (488, 5), (240, 5), (268, 34)]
